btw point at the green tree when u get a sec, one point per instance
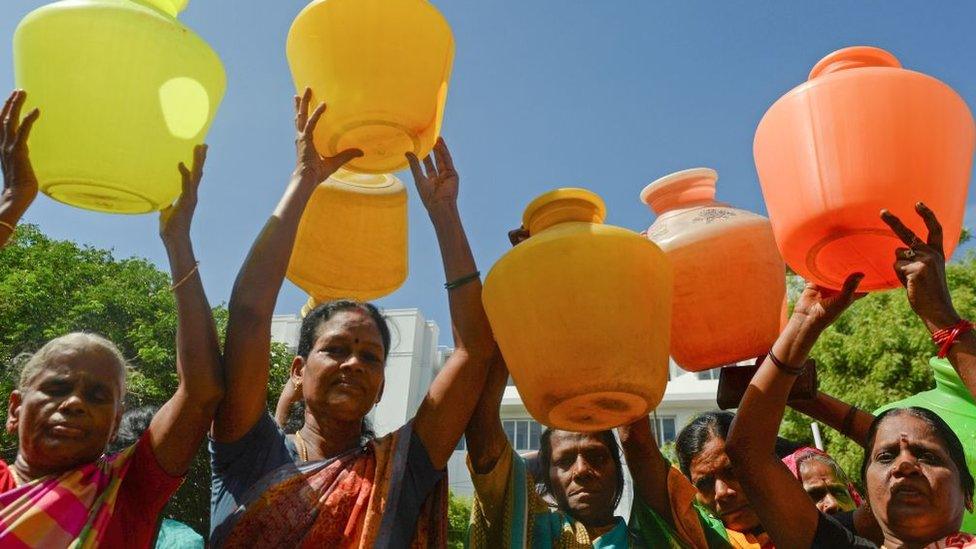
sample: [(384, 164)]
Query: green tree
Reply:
[(458, 515), (876, 353), (51, 287)]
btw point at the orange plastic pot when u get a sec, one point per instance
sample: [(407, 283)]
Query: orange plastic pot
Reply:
[(860, 135)]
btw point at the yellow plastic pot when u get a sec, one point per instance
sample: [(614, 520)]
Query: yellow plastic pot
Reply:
[(383, 67), (352, 239), (582, 313), (125, 91)]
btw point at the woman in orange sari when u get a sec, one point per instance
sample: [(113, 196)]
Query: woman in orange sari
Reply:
[(333, 484)]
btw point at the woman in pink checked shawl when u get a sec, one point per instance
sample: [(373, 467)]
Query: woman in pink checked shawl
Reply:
[(62, 490)]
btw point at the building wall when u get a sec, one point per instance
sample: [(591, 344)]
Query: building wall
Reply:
[(415, 359)]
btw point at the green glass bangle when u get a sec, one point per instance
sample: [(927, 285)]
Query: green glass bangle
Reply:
[(462, 281)]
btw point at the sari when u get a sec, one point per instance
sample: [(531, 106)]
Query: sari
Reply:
[(347, 501), (72, 509)]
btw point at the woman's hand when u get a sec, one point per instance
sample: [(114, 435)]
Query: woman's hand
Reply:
[(817, 308), (19, 181), (311, 166), (517, 236), (921, 269), (174, 221), (438, 187)]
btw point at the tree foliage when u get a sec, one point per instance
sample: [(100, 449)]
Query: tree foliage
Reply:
[(458, 515), (52, 287), (876, 353)]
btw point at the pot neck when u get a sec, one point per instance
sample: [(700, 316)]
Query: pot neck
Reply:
[(855, 57), (679, 190), (563, 206)]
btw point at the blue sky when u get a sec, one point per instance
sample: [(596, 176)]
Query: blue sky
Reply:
[(606, 95)]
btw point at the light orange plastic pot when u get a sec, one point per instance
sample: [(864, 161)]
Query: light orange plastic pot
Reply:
[(729, 279), (860, 135)]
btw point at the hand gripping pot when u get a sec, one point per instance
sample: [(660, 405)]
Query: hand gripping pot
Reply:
[(860, 135), (581, 312)]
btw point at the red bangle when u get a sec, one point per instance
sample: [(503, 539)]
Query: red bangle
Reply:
[(945, 337)]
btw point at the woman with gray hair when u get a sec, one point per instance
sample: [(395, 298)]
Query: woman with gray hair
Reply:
[(64, 489)]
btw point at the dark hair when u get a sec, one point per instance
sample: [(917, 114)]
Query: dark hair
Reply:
[(545, 460), (134, 423), (322, 313), (941, 428), (694, 436)]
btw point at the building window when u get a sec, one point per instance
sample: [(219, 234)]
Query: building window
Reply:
[(709, 374), (664, 429), (523, 434)]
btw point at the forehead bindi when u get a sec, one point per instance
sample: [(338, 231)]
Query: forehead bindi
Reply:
[(910, 430), (356, 326)]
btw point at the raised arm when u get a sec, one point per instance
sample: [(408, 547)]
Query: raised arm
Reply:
[(782, 505), (921, 269), (252, 302), (647, 466), (448, 405), (179, 426), (484, 436), (19, 181)]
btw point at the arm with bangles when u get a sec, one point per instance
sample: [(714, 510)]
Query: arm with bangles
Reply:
[(252, 302), (19, 181), (783, 506), (921, 270), (447, 407), (180, 425)]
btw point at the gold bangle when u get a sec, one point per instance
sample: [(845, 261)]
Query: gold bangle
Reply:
[(7, 225), (185, 278)]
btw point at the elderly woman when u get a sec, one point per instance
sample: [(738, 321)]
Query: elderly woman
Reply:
[(823, 480), (914, 468), (64, 489), (333, 484)]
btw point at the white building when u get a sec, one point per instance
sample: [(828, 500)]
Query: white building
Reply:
[(415, 359)]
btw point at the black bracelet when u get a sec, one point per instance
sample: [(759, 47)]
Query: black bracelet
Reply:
[(462, 281), (845, 428), (793, 371)]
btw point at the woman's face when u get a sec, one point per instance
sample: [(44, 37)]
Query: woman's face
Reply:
[(824, 488), (913, 485), (344, 372), (719, 489), (70, 410), (583, 476)]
